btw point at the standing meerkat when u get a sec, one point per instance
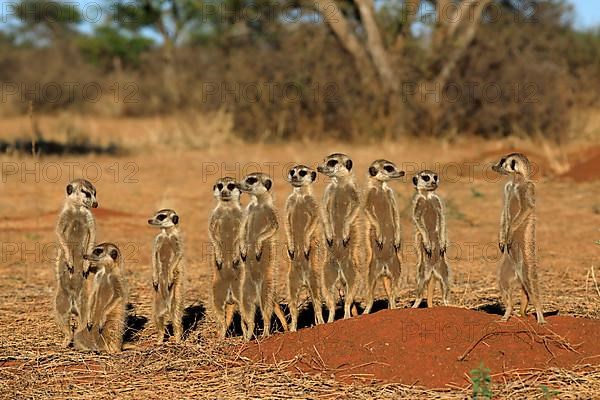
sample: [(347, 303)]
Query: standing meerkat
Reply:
[(105, 317), (302, 223), (224, 232), (167, 274), (257, 250), (76, 231), (341, 208), (431, 238), (517, 236), (383, 231)]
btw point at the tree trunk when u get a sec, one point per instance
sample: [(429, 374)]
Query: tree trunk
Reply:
[(379, 55), (340, 27)]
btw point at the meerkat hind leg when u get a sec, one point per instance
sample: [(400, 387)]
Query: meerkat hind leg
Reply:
[(315, 295), (371, 284), (442, 272), (390, 290), (524, 302)]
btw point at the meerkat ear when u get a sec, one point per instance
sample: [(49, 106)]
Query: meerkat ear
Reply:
[(114, 254), (372, 171), (268, 184), (349, 165), (313, 176), (69, 189), (214, 187), (415, 180), (175, 219)]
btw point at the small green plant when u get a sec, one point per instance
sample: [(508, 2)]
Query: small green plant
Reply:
[(549, 393), (482, 382), (477, 193)]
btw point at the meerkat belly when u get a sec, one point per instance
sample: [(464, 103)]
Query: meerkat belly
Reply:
[(431, 224), (229, 233), (300, 219), (383, 214), (165, 254), (76, 236), (338, 211), (103, 295)]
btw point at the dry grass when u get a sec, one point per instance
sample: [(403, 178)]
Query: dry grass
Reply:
[(32, 364)]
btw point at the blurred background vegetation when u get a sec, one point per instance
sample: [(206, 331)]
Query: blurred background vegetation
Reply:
[(350, 69)]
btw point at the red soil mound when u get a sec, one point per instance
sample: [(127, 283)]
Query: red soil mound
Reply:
[(586, 170), (423, 346)]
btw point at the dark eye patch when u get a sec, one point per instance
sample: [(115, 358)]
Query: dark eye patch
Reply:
[(426, 178), (251, 180), (161, 217), (292, 172), (389, 168), (513, 164), (502, 161), (220, 186), (230, 186), (97, 252), (302, 173), (87, 194), (114, 254), (332, 163), (435, 178)]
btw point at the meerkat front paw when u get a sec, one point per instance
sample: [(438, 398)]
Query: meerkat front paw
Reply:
[(307, 254), (291, 252), (345, 241)]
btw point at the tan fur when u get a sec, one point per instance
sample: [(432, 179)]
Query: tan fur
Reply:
[(76, 231), (383, 232), (105, 317), (431, 238), (341, 210), (302, 223), (167, 274), (517, 236), (257, 248), (224, 230)]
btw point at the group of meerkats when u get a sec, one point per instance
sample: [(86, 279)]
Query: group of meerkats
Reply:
[(324, 245)]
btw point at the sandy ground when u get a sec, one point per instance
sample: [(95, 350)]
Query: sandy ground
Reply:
[(132, 187)]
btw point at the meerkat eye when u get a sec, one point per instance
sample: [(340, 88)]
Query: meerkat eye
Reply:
[(292, 172), (86, 194), (513, 164), (230, 186), (389, 168), (332, 163), (426, 178), (435, 178), (97, 252), (220, 186), (161, 217), (302, 173), (251, 180)]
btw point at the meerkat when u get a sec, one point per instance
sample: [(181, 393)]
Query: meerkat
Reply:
[(257, 250), (431, 238), (76, 231), (517, 236), (383, 231), (302, 223), (224, 232), (341, 209), (105, 316), (167, 274)]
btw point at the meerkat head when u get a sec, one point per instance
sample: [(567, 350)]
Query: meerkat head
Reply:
[(103, 255), (227, 189), (514, 163), (82, 192), (426, 180), (384, 170), (165, 218), (336, 165), (301, 175), (256, 184)]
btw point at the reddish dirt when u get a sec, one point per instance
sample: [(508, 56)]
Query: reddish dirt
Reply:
[(421, 347), (586, 170)]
